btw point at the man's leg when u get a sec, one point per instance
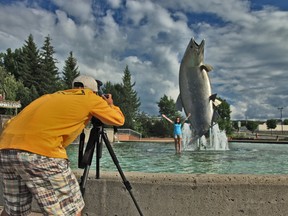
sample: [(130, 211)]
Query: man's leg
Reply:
[(53, 184), (16, 195)]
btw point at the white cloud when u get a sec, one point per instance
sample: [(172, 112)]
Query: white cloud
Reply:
[(114, 3), (81, 10), (247, 48), (66, 25)]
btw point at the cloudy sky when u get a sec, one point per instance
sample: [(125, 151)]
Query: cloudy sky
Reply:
[(245, 42)]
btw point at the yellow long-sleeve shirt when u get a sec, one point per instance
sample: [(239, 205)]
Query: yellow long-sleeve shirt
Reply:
[(50, 123)]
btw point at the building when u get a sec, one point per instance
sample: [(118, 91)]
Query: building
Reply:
[(279, 127), (7, 105)]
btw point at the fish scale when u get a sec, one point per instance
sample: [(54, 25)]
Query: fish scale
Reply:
[(195, 88)]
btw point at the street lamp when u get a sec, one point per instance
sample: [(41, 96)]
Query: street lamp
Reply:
[(281, 109)]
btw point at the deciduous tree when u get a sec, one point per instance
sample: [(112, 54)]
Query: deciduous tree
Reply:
[(271, 124), (252, 126), (224, 120), (167, 106)]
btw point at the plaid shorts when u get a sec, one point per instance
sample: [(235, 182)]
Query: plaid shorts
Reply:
[(49, 180)]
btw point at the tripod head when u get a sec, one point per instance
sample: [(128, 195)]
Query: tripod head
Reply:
[(96, 122)]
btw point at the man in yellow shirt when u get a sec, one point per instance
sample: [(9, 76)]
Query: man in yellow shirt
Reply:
[(33, 159)]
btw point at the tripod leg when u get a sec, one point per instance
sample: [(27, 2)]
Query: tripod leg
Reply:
[(81, 148), (116, 162), (84, 178), (98, 156), (86, 160)]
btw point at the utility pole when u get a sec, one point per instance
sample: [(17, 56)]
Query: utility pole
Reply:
[(281, 109)]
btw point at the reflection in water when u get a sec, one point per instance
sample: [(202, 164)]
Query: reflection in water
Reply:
[(242, 158)]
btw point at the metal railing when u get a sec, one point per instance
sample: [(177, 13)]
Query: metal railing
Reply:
[(129, 132)]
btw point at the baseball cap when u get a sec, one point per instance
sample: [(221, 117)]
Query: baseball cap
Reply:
[(87, 81)]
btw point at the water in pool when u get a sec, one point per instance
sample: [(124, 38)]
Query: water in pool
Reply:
[(242, 158)]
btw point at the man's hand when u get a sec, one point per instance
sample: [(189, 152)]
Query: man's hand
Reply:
[(108, 98)]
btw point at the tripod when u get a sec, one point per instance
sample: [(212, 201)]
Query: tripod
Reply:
[(97, 134)]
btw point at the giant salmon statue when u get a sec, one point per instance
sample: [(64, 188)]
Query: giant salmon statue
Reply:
[(195, 89)]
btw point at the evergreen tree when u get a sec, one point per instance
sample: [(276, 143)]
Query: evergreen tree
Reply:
[(29, 66), (116, 90), (25, 95), (70, 71), (17, 55), (33, 94), (130, 103), (10, 61), (49, 79)]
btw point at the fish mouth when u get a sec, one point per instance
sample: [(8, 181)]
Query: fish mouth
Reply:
[(195, 51), (195, 46)]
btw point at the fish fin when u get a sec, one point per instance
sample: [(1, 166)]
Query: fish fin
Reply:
[(206, 67), (179, 105), (217, 102), (213, 97)]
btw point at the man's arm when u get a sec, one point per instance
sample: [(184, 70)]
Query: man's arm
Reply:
[(107, 112)]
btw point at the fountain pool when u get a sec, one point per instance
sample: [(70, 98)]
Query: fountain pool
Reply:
[(241, 158)]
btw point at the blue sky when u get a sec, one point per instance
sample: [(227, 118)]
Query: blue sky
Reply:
[(245, 42)]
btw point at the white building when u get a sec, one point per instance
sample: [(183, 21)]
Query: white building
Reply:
[(263, 127)]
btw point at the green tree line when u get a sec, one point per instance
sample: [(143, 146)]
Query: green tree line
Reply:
[(29, 72)]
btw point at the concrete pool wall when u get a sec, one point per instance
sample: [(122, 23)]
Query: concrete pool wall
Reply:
[(185, 194)]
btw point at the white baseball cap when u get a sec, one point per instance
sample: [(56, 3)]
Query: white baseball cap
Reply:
[(87, 81)]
